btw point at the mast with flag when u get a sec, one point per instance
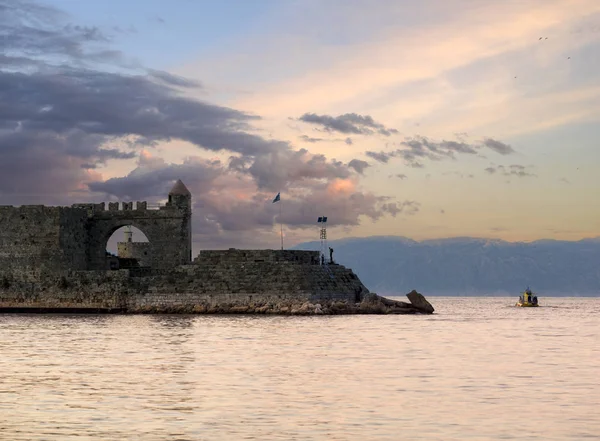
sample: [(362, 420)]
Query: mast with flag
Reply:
[(322, 221), (278, 199)]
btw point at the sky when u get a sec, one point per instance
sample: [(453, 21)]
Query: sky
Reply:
[(431, 119)]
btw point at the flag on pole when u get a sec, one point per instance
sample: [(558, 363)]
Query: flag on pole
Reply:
[(277, 198)]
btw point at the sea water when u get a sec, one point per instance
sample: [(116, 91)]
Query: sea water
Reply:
[(478, 369)]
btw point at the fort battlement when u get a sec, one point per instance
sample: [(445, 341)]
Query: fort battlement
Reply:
[(122, 206), (114, 206), (98, 207)]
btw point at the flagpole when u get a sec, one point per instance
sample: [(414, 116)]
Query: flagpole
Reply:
[(281, 220)]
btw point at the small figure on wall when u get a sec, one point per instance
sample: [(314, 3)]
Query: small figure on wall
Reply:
[(330, 255)]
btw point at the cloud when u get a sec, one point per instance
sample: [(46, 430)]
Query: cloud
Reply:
[(307, 138), (74, 110), (312, 140), (279, 168), (61, 114), (516, 170), (227, 200), (459, 174), (520, 171), (31, 34), (358, 165), (173, 80), (409, 208), (349, 123), (421, 147), (415, 149), (382, 157), (70, 105), (498, 147), (399, 176), (564, 180)]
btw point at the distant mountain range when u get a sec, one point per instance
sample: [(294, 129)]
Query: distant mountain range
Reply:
[(470, 266)]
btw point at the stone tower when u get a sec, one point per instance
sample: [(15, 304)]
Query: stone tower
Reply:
[(180, 198), (128, 234)]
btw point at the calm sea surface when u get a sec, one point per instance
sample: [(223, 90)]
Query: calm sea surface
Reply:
[(479, 369)]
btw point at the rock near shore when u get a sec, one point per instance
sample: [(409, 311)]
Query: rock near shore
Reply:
[(420, 302), (375, 304)]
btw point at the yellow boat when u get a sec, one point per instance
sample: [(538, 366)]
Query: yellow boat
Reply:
[(528, 299)]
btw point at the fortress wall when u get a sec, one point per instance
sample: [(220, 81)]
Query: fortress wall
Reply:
[(219, 288), (28, 235), (32, 240), (240, 256), (72, 290), (74, 239), (223, 287)]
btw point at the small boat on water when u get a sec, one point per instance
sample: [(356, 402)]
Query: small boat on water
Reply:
[(528, 299)]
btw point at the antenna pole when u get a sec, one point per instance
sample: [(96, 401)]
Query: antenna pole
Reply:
[(323, 235), (281, 222)]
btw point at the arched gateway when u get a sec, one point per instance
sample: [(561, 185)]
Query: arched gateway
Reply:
[(167, 228)]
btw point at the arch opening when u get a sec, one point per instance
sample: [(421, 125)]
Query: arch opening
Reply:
[(127, 248)]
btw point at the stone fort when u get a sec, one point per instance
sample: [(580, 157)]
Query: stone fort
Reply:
[(38, 239), (55, 258)]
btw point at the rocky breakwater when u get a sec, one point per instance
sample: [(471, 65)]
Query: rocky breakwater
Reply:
[(370, 304)]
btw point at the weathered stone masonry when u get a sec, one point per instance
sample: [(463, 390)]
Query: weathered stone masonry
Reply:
[(37, 240), (239, 281), (55, 258), (141, 252)]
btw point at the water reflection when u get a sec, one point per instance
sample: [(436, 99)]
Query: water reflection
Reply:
[(469, 372)]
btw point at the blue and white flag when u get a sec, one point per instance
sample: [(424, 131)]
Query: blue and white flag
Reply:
[(277, 198)]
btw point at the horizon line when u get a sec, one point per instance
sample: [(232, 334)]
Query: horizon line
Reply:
[(487, 239)]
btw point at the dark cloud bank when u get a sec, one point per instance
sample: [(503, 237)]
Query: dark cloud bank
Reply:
[(69, 103)]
